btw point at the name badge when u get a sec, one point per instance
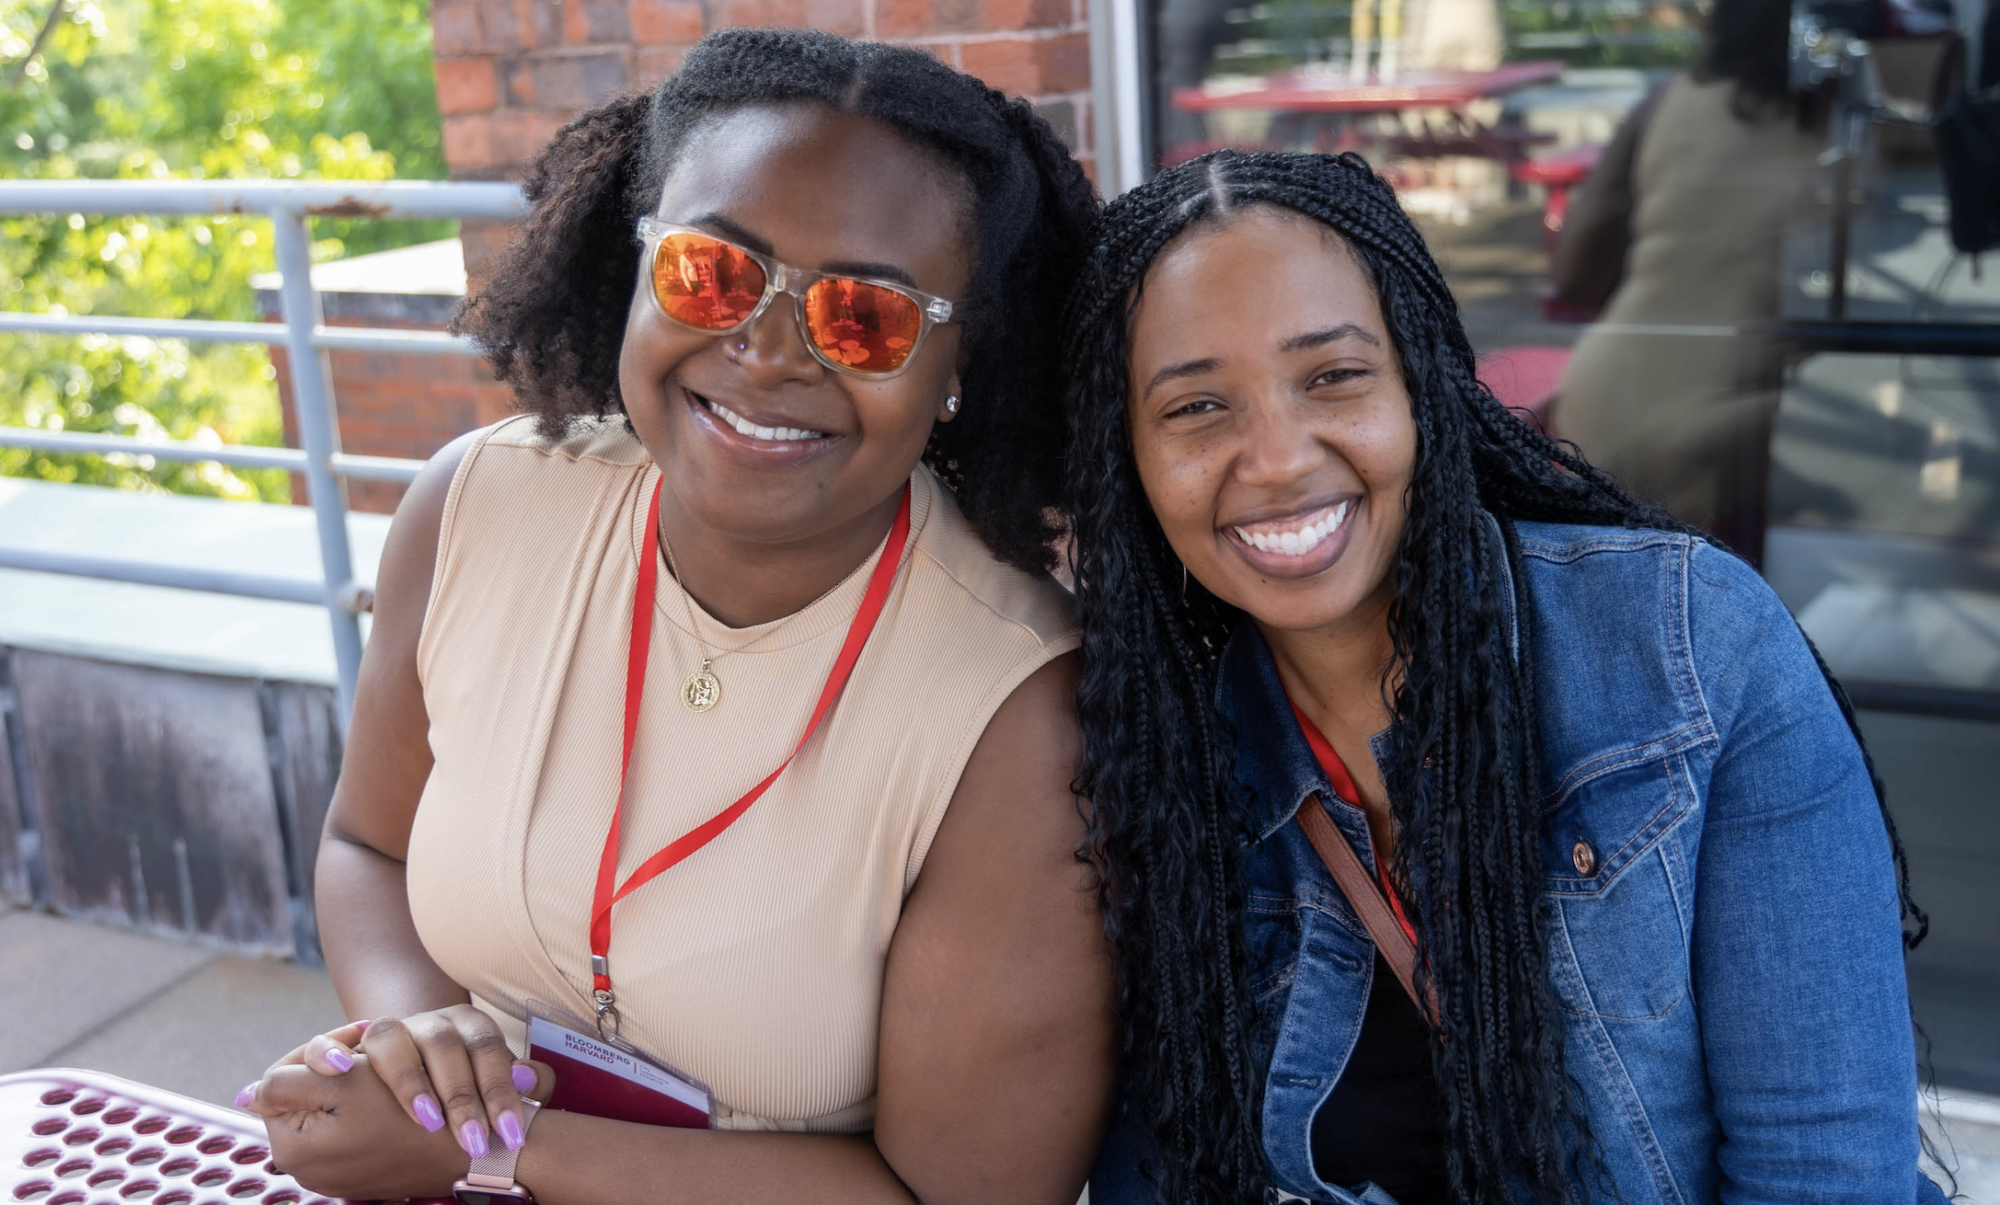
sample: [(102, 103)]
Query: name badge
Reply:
[(610, 1077)]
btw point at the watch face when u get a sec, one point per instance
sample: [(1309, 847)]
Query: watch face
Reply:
[(468, 1195)]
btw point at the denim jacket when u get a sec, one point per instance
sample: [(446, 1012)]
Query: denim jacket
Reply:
[(1725, 934)]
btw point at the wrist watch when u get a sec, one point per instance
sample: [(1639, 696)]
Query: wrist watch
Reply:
[(491, 1179)]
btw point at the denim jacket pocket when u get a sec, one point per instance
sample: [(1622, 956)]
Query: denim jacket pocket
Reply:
[(1271, 938), (1620, 891)]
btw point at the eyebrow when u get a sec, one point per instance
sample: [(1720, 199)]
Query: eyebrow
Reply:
[(737, 234), (1305, 342), (1186, 368), (1321, 338)]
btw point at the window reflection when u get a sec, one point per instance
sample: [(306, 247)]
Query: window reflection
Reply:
[(1713, 244)]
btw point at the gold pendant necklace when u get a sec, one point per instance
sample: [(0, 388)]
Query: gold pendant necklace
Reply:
[(702, 690)]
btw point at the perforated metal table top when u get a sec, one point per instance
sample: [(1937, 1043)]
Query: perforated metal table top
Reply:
[(85, 1138)]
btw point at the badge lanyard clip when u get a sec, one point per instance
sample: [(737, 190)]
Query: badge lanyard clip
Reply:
[(607, 1004)]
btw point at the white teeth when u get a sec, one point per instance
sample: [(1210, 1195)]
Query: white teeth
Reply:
[(1298, 541), (746, 427)]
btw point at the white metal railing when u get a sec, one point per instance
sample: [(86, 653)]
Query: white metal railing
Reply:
[(305, 337)]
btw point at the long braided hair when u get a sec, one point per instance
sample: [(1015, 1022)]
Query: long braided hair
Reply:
[(553, 316), (1157, 762)]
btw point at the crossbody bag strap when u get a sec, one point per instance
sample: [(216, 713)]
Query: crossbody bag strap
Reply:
[(1366, 900)]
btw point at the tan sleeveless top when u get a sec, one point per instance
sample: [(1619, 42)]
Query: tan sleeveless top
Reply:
[(755, 965)]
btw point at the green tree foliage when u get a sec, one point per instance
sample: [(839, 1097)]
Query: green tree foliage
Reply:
[(157, 89)]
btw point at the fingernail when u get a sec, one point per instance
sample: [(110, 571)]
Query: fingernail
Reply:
[(362, 1026), (340, 1060), (524, 1077), (427, 1113), (511, 1132), (472, 1136), (244, 1097)]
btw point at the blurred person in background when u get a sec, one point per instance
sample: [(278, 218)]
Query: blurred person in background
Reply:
[(1680, 225)]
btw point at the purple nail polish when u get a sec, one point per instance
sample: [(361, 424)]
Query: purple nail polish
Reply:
[(524, 1077), (340, 1060), (428, 1115), (244, 1097), (511, 1132), (472, 1136)]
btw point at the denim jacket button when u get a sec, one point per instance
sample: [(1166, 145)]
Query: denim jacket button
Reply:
[(1584, 857)]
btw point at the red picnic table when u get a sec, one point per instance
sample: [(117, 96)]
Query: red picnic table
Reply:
[(1558, 173), (1300, 95)]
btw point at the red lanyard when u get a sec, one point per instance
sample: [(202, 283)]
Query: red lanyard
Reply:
[(1343, 786), (635, 689)]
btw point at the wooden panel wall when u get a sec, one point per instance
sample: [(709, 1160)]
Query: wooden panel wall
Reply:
[(167, 801)]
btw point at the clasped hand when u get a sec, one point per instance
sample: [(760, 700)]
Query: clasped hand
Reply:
[(397, 1107)]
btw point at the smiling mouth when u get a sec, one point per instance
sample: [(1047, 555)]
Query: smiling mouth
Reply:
[(743, 426), (1295, 535)]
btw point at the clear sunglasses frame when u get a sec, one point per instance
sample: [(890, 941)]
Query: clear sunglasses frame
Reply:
[(783, 278)]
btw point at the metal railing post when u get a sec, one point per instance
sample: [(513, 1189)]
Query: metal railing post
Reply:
[(319, 433)]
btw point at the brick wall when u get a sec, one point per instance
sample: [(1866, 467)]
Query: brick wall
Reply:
[(511, 72), (393, 403)]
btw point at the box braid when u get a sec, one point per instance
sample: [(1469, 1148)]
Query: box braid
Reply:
[(552, 315), (1464, 769)]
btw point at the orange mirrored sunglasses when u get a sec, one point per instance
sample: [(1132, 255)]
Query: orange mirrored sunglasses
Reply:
[(870, 328)]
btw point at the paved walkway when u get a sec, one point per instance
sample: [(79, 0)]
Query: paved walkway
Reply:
[(156, 1010), (204, 1024)]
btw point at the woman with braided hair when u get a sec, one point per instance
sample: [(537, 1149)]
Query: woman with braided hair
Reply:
[(785, 330), (1471, 832)]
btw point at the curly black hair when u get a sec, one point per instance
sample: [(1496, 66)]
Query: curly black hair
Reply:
[(553, 316), (1157, 757)]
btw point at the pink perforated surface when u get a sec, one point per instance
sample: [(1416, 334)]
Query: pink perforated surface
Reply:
[(84, 1138)]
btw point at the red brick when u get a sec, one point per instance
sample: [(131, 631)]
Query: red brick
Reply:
[(468, 141), (518, 136), (668, 22), (788, 14), (588, 22), (902, 18), (501, 28), (466, 86), (844, 17), (577, 81), (998, 15), (455, 27), (1064, 61), (655, 63), (543, 19), (1012, 65), (519, 77)]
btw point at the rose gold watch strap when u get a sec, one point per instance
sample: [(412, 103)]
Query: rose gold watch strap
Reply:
[(496, 1170)]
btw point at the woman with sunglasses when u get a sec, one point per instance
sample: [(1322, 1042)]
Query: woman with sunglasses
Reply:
[(1472, 832), (724, 699)]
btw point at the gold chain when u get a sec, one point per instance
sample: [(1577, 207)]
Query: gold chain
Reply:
[(703, 690)]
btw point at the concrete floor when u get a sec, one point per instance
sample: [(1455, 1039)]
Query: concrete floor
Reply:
[(150, 1009)]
